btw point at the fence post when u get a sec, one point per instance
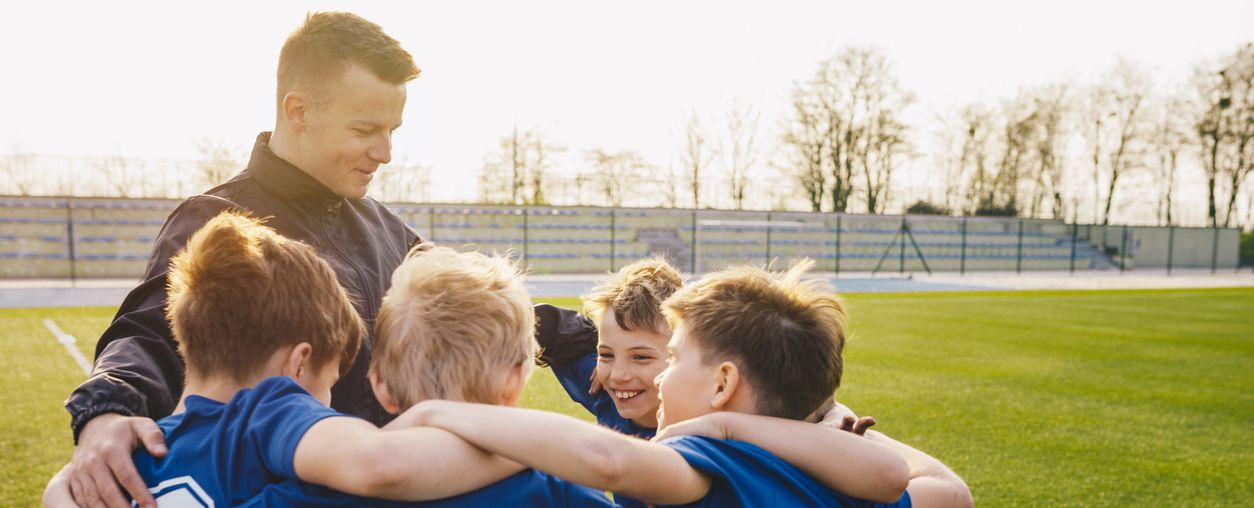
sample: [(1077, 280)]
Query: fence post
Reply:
[(768, 239), (1075, 229), (1123, 248), (962, 256), (1214, 249), (838, 216), (526, 234), (694, 242), (69, 241), (901, 263), (431, 224), (1019, 251), (1171, 244), (613, 237)]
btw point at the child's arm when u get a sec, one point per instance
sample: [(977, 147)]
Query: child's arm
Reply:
[(572, 449), (840, 460), (57, 493), (351, 455), (931, 483)]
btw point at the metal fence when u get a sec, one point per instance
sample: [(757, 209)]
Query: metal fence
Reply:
[(95, 238)]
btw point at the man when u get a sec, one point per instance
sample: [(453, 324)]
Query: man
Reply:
[(341, 94)]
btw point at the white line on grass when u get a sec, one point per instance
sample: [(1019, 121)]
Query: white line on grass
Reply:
[(67, 340)]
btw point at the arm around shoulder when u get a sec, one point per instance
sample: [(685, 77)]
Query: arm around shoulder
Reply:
[(932, 484), (412, 464)]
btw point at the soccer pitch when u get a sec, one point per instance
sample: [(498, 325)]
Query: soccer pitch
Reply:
[(1097, 398)]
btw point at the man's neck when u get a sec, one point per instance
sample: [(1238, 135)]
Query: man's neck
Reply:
[(282, 145)]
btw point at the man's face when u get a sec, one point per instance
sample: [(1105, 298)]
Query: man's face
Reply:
[(687, 386), (349, 131), (628, 362)]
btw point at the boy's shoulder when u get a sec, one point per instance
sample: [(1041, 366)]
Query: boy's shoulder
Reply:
[(228, 451), (743, 474), (526, 488)]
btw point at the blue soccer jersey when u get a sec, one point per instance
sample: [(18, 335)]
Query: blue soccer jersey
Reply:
[(223, 454), (528, 488), (576, 379), (745, 475)]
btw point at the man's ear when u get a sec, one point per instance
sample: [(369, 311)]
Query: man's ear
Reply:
[(515, 381), (726, 381), (296, 107), (297, 360), (382, 394)]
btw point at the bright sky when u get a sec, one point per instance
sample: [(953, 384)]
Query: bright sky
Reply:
[(148, 80)]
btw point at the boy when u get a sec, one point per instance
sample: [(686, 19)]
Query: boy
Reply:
[(265, 331), (609, 367), (746, 344), (458, 326)]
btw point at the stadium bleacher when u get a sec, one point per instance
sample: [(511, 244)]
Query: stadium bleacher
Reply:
[(59, 237)]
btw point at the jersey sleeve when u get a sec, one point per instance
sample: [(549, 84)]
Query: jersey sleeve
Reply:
[(576, 378), (281, 414)]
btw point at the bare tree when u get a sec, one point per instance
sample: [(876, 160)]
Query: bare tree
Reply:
[(403, 182), (614, 172), (18, 169), (694, 157), (121, 176), (860, 102), (517, 173), (1115, 129), (1170, 138), (216, 164), (805, 138), (1226, 127), (1049, 145), (740, 150), (670, 187)]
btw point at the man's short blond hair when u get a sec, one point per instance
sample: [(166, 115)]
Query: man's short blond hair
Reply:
[(449, 324), (786, 334), (315, 55), (635, 293)]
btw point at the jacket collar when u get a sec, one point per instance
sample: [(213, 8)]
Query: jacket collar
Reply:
[(286, 181)]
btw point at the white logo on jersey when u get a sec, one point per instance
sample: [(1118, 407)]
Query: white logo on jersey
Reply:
[(181, 492)]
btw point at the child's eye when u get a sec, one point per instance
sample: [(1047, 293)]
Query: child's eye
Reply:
[(642, 358), (605, 356)]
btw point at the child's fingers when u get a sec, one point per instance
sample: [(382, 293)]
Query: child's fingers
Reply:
[(863, 424)]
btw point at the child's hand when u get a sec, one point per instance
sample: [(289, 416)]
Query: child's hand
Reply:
[(712, 425), (843, 418)]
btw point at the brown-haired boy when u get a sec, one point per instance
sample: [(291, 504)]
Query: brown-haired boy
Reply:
[(266, 330), (747, 343)]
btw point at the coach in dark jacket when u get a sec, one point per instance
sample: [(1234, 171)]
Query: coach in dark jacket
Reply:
[(341, 93)]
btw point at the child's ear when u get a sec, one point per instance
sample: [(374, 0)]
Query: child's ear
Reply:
[(515, 381), (297, 360), (382, 394), (726, 381)]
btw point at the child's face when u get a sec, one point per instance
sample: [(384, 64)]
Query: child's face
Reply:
[(627, 364), (318, 381), (687, 385)]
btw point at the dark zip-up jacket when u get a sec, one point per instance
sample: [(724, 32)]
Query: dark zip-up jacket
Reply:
[(138, 371)]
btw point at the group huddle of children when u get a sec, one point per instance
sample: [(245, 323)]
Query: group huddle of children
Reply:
[(714, 394)]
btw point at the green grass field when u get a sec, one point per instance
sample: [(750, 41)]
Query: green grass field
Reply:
[(1112, 398)]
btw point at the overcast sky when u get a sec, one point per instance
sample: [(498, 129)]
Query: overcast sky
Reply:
[(150, 79)]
